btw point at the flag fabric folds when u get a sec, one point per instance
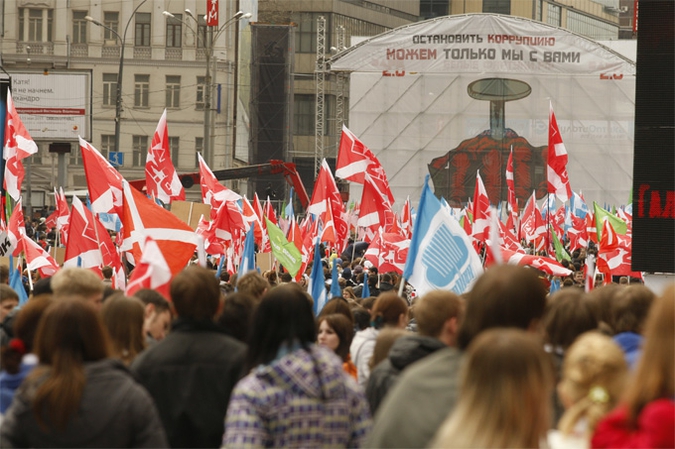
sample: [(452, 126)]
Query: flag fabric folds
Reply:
[(247, 262), (556, 165), (161, 179), (103, 181), (286, 252), (317, 283), (18, 145), (441, 255), (151, 272), (142, 218)]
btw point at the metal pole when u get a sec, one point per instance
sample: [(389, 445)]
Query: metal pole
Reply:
[(208, 92)]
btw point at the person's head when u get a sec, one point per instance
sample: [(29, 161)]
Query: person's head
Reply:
[(631, 307), (123, 317), (504, 296), (579, 277), (438, 315), (9, 299), (601, 300), (107, 272), (348, 294), (655, 373), (253, 284), (25, 327), (337, 305), (195, 293), (4, 274), (235, 318), (593, 379), (389, 310), (361, 318), (385, 340), (157, 313), (286, 277), (70, 333), (368, 303), (505, 396), (81, 282), (335, 332), (567, 316), (283, 317)]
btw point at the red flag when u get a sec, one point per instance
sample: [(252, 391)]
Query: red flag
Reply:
[(83, 247), (38, 259), (161, 178), (151, 272), (556, 165), (226, 228), (508, 238), (541, 263), (63, 218), (481, 211), (213, 192), (18, 145), (250, 217), (103, 181), (510, 184), (578, 233), (16, 229), (110, 255), (406, 219), (375, 210), (388, 252), (143, 218), (326, 192), (614, 254), (532, 226), (270, 213), (328, 232), (355, 160)]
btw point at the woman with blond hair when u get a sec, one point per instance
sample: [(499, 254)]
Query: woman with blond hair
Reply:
[(646, 417), (124, 317), (593, 379), (77, 396), (505, 399)]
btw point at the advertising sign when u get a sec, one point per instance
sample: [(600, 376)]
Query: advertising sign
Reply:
[(56, 106)]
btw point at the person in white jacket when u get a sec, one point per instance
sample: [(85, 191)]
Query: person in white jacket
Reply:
[(389, 310)]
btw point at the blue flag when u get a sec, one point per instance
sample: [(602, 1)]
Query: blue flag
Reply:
[(16, 283), (441, 255), (220, 266), (288, 212), (365, 292), (335, 290), (248, 254), (317, 283)]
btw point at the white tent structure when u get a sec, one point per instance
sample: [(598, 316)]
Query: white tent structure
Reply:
[(471, 87)]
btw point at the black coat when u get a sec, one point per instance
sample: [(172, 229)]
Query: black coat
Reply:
[(190, 375), (114, 411)]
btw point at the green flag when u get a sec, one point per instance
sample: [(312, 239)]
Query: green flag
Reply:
[(560, 252), (601, 215), (285, 252)]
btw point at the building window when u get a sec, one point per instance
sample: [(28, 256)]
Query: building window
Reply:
[(174, 149), (109, 89), (79, 27), (142, 32), (305, 33), (553, 15), (172, 91), (111, 19), (140, 150), (107, 145), (75, 155), (174, 30), (201, 32), (32, 24), (141, 91), (497, 6), (199, 149), (201, 88), (303, 115), (590, 27)]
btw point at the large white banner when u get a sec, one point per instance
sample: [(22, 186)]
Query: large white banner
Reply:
[(455, 94)]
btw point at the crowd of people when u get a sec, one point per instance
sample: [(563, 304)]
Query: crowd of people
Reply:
[(244, 362)]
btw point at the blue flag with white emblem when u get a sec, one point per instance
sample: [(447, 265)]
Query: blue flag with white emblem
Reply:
[(248, 254), (441, 256)]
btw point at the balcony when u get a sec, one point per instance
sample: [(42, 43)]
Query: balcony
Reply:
[(110, 51), (79, 50), (173, 54), (143, 53), (35, 48)]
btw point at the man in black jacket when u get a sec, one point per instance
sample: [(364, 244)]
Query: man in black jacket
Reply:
[(438, 315), (191, 373)]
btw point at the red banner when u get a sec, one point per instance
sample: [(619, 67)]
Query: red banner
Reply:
[(212, 13)]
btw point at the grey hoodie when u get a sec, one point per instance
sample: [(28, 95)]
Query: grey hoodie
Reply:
[(114, 411)]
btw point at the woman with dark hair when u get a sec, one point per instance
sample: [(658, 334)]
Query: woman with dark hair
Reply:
[(77, 396), (336, 332), (123, 317), (296, 394)]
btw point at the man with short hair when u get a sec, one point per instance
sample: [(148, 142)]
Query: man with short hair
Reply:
[(9, 299), (158, 316), (426, 393), (77, 281), (438, 315), (191, 373), (253, 284)]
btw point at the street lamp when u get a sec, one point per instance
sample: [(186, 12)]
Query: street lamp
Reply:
[(122, 39), (209, 83)]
